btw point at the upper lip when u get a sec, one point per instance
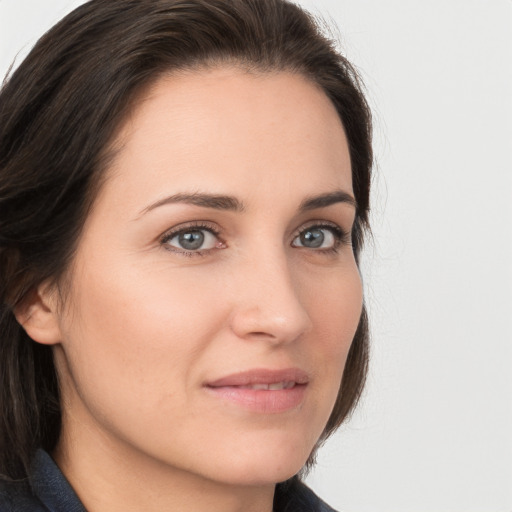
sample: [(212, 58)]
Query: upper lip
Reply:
[(261, 376)]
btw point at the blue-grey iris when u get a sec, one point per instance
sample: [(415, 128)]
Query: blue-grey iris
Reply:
[(192, 240), (313, 238)]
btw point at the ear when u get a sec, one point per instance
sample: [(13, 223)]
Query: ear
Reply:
[(37, 314)]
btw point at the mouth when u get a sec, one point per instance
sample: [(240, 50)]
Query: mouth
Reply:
[(262, 390), (271, 387)]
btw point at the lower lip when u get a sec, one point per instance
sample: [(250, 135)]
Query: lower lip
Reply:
[(266, 401)]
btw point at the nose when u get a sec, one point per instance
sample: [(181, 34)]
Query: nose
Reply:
[(267, 301)]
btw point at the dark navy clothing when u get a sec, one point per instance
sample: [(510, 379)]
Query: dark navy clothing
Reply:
[(47, 490)]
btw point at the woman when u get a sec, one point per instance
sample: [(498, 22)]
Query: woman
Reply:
[(184, 193)]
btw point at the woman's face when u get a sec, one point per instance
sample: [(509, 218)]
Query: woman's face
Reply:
[(214, 294)]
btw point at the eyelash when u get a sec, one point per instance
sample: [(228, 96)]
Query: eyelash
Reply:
[(341, 237), (195, 226)]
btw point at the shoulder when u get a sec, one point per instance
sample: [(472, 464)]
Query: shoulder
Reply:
[(46, 490), (295, 496), (314, 503), (17, 496)]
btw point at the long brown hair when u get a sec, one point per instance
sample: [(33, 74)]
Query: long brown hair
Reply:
[(58, 113)]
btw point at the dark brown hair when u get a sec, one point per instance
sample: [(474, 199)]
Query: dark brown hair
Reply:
[(59, 112)]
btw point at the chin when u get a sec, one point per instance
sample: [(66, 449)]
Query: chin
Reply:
[(266, 475), (265, 463)]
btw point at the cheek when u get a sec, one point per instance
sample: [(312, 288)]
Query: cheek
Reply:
[(133, 343), (147, 310), (334, 304)]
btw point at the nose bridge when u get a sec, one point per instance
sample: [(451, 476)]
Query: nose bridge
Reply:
[(268, 299)]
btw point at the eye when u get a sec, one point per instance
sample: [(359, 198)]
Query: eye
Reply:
[(320, 237), (192, 239)]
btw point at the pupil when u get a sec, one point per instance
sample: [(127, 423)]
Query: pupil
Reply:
[(313, 238), (192, 240)]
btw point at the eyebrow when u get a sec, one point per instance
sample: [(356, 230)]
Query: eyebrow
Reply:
[(230, 203), (217, 202), (324, 200)]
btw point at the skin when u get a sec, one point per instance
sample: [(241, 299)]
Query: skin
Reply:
[(145, 324)]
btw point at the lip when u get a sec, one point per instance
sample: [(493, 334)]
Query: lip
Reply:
[(235, 388)]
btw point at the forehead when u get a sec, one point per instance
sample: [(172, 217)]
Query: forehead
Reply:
[(226, 127)]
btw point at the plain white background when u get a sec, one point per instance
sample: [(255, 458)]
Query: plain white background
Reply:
[(434, 430)]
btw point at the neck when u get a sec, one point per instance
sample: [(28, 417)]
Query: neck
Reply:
[(109, 477)]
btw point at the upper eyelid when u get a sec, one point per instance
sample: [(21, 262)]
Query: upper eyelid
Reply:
[(320, 224), (188, 226)]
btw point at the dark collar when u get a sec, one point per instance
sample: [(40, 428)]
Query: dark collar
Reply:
[(294, 496), (51, 487)]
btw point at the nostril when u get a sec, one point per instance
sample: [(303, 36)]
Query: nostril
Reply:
[(261, 333)]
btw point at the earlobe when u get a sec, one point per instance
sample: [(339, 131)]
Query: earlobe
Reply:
[(37, 314)]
